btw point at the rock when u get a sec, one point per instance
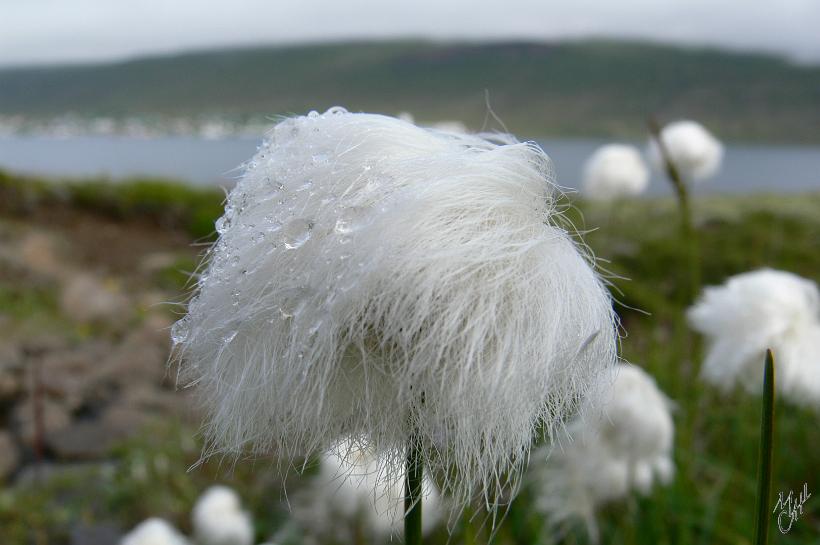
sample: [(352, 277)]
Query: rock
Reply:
[(42, 344), (151, 399), (38, 253), (56, 417), (140, 357), (11, 356), (124, 422), (93, 439), (96, 534), (88, 299), (64, 374), (11, 372), (9, 454), (10, 385)]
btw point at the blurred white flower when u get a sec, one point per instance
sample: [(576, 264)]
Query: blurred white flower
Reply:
[(613, 171), (379, 280), (694, 151), (450, 126), (218, 519), (154, 531), (623, 446), (351, 490), (406, 116), (754, 311)]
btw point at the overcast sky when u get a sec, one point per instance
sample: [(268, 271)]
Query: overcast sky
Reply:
[(48, 31)]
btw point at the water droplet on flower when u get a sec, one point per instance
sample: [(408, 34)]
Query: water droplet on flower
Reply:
[(349, 219), (296, 232), (180, 331), (222, 224)]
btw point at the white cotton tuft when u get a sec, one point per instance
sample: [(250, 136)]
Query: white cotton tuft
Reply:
[(375, 279), (352, 488), (754, 311), (218, 519), (695, 152), (154, 531), (625, 445), (615, 170)]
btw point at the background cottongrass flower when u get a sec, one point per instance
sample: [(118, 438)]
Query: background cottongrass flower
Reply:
[(218, 519), (350, 493), (615, 170), (695, 152), (754, 311), (154, 531), (379, 280), (625, 445)]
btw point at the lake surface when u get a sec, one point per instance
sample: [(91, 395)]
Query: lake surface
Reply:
[(746, 168)]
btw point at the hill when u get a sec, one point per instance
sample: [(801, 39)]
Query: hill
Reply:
[(578, 88)]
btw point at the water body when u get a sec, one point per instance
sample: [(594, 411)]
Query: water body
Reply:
[(746, 168)]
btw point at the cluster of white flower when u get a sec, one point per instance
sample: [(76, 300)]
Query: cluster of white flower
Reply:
[(379, 280), (694, 151), (218, 519), (154, 531), (615, 170), (351, 492), (625, 445), (754, 311), (618, 170)]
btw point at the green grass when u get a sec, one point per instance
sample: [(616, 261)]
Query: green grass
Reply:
[(166, 203), (710, 502)]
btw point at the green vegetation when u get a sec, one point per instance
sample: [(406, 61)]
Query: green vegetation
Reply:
[(174, 205), (539, 89), (710, 502)]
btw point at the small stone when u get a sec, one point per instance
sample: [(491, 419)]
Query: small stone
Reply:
[(9, 454), (88, 299), (11, 371), (38, 254), (94, 439), (56, 417), (95, 534)]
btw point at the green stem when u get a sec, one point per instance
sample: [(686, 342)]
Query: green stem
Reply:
[(764, 476), (413, 479), (686, 223)]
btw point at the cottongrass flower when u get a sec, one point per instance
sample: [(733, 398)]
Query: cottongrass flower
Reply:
[(218, 519), (154, 531), (625, 446), (694, 151), (754, 311), (351, 493), (615, 170), (379, 280)]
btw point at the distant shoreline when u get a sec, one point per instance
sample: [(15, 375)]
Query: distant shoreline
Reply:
[(578, 88)]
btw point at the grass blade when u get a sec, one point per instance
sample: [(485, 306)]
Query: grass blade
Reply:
[(764, 476)]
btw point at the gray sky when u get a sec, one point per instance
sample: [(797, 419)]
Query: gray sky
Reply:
[(38, 31)]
